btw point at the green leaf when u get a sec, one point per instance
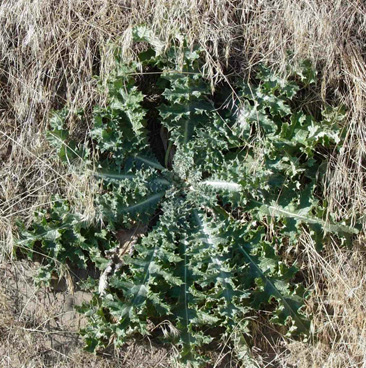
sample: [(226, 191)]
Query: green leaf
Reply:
[(301, 215), (138, 207), (289, 303), (143, 33)]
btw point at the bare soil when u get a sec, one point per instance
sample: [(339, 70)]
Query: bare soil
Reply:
[(39, 328)]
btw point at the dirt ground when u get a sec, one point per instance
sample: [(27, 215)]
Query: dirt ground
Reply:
[(39, 328)]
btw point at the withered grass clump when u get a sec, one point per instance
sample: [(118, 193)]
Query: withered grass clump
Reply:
[(50, 51), (338, 307)]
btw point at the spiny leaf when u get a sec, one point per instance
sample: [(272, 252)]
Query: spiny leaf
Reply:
[(290, 303), (301, 215), (143, 33)]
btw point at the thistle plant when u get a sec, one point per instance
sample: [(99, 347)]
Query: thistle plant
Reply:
[(233, 188)]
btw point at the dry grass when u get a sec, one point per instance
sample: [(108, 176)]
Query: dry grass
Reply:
[(50, 50), (338, 306)]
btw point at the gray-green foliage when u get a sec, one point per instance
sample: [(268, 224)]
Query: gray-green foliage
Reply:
[(238, 191)]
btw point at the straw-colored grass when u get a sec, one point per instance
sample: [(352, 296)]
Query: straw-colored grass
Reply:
[(338, 306), (50, 50)]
